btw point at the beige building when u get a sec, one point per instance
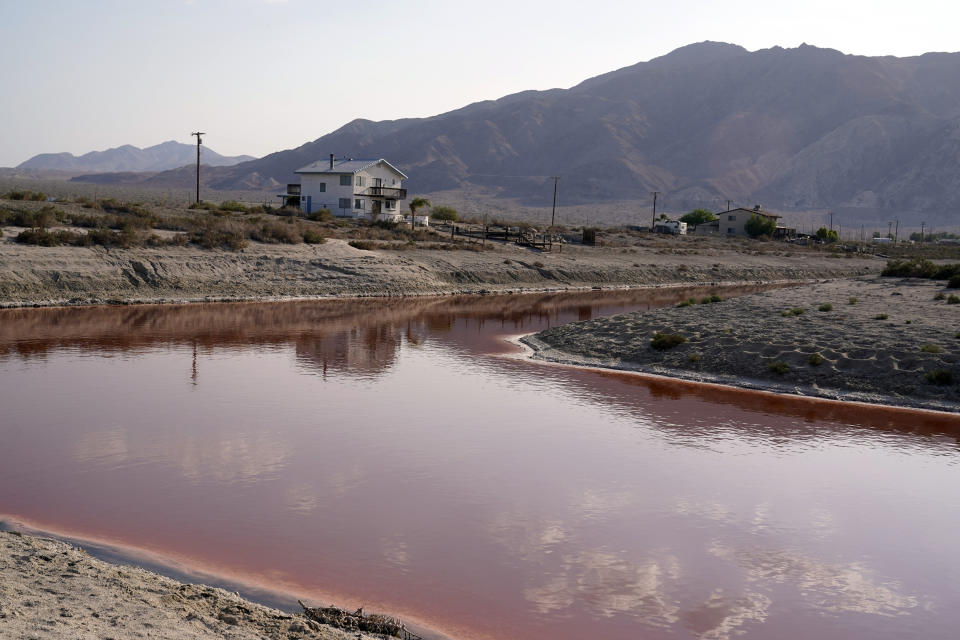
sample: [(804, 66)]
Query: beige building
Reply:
[(731, 223)]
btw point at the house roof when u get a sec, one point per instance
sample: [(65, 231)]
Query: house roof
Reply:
[(759, 212), (347, 165)]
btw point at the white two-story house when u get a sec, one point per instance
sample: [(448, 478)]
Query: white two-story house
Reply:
[(351, 188)]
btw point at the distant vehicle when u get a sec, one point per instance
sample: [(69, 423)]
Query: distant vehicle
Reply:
[(673, 227), (882, 240)]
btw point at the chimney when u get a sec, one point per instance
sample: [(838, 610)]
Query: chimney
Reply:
[(331, 162)]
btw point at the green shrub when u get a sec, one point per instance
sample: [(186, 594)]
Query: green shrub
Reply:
[(364, 245), (815, 359), (716, 298), (931, 348), (778, 366), (203, 204), (694, 357), (940, 296), (852, 300), (39, 237), (664, 341), (881, 316), (954, 281), (952, 299), (231, 205), (698, 216), (448, 214), (759, 225), (796, 311), (825, 307), (939, 376), (687, 302)]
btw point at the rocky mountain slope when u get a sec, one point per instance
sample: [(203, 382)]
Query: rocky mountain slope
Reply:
[(801, 128), (160, 157)]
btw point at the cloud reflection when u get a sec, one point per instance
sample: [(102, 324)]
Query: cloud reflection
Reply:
[(722, 615), (834, 587)]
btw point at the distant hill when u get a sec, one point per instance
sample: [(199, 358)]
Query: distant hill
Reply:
[(793, 129), (160, 157)]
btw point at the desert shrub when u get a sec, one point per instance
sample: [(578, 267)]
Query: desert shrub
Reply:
[(881, 316), (940, 296), (827, 235), (795, 311), (320, 215), (39, 237), (363, 245), (916, 268), (694, 357), (952, 299), (231, 205), (664, 341), (313, 236), (852, 300), (17, 194), (930, 348), (716, 298), (825, 307), (954, 281), (448, 214), (815, 359), (203, 204), (939, 376), (275, 231), (778, 366)]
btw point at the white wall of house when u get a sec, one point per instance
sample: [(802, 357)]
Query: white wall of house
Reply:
[(731, 223), (328, 191)]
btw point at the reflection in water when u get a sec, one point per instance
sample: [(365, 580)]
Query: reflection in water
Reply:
[(385, 450)]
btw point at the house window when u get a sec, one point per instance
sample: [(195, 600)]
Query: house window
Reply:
[(391, 204), (344, 203), (346, 180), (393, 181), (731, 218), (359, 181), (322, 187), (731, 230), (378, 182), (358, 203)]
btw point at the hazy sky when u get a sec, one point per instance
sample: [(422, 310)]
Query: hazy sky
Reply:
[(265, 75)]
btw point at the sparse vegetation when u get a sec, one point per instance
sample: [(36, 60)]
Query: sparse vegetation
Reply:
[(852, 300), (815, 360), (922, 268), (881, 316), (825, 307), (694, 358), (664, 341), (931, 348), (953, 299), (778, 366), (796, 311), (363, 245), (827, 235), (698, 216), (939, 376), (16, 194), (940, 296)]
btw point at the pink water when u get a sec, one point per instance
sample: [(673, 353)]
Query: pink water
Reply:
[(388, 453)]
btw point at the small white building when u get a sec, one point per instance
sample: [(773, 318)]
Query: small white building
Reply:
[(349, 188)]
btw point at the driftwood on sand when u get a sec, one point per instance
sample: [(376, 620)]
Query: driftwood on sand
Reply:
[(358, 621)]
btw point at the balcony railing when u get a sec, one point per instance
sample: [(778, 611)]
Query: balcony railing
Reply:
[(387, 192)]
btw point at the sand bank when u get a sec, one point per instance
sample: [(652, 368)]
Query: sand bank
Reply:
[(877, 340), (51, 589)]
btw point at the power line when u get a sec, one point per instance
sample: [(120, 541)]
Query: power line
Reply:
[(198, 134)]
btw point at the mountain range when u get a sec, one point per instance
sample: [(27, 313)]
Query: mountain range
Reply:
[(161, 157), (794, 129)]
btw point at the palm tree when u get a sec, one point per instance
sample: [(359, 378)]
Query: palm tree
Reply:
[(417, 203)]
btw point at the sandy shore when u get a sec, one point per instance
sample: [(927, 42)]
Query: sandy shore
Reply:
[(47, 276), (51, 589), (848, 351)]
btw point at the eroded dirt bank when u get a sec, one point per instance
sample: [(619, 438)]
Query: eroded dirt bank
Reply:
[(31, 275)]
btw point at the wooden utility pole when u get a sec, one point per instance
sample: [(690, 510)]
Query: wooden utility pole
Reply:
[(653, 220), (553, 215), (830, 213), (896, 232), (922, 225), (199, 140), (728, 204)]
